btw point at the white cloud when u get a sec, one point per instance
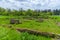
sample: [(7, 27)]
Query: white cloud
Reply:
[(33, 4)]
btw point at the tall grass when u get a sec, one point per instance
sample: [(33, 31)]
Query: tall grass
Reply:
[(26, 36)]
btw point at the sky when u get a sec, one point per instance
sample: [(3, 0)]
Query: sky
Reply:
[(30, 4)]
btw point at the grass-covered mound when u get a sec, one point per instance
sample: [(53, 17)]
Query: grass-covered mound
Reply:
[(48, 25)]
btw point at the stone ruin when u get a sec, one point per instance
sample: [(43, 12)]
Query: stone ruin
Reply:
[(40, 20), (37, 33), (15, 21)]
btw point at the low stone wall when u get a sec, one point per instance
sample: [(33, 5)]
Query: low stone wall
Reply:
[(34, 32)]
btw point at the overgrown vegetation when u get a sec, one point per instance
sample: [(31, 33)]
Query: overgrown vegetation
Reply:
[(40, 20), (9, 34), (29, 12)]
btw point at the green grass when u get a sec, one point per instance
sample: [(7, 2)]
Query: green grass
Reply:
[(48, 25), (56, 17), (10, 34)]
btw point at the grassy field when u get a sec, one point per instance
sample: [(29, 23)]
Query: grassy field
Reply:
[(10, 34), (48, 25)]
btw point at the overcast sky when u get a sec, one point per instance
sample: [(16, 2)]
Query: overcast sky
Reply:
[(30, 4)]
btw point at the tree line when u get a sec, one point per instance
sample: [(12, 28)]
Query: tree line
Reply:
[(28, 12)]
